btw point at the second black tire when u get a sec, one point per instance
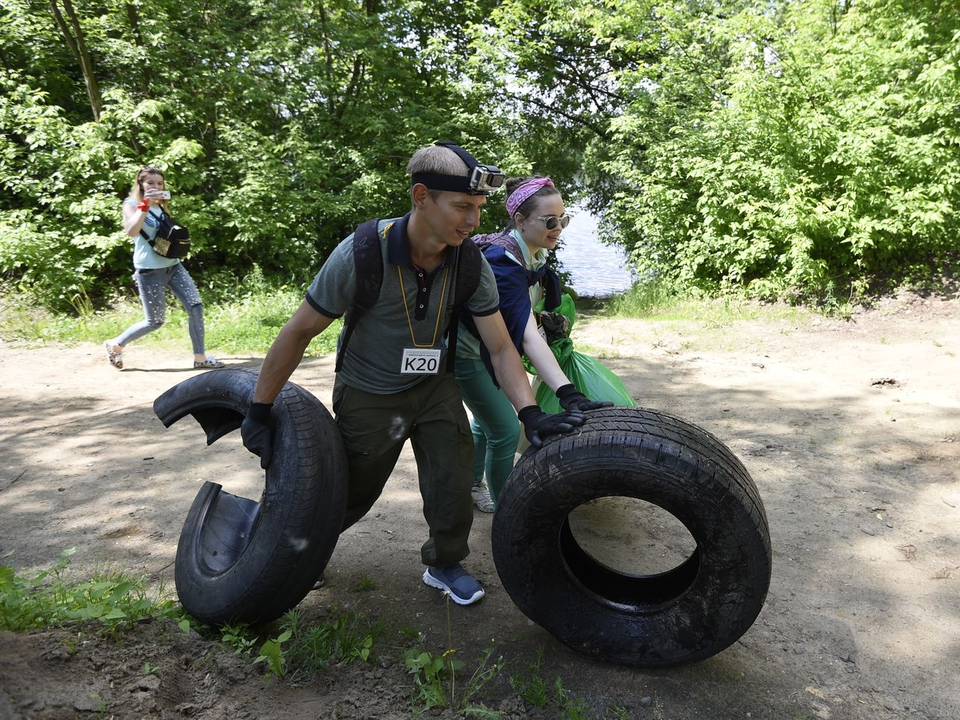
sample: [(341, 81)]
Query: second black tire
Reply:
[(245, 560), (688, 613)]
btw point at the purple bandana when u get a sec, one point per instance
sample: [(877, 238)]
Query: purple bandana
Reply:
[(525, 191)]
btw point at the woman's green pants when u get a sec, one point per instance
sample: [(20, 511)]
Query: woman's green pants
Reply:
[(495, 427)]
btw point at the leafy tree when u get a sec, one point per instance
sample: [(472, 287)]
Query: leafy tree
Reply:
[(278, 127), (792, 149), (775, 148)]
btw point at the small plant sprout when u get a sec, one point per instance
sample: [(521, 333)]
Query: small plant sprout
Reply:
[(365, 584), (271, 653)]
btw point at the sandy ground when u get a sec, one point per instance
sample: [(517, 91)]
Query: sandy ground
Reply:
[(850, 429)]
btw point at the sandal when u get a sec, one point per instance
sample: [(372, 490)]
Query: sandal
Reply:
[(115, 358), (210, 363)]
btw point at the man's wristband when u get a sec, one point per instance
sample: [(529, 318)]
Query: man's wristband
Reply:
[(260, 412)]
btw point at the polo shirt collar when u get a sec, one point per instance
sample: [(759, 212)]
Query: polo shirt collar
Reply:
[(398, 245)]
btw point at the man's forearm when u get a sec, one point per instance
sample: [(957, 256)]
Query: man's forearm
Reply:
[(282, 359)]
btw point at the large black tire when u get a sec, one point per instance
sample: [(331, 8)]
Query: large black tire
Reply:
[(242, 560), (687, 613)]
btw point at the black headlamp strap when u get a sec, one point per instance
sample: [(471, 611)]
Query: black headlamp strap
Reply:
[(469, 159), (450, 183), (480, 179), (436, 181)]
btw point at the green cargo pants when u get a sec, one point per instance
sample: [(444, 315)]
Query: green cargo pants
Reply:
[(374, 429)]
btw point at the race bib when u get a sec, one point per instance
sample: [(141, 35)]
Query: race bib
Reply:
[(420, 361)]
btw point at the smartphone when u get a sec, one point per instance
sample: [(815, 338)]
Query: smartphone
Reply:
[(164, 194)]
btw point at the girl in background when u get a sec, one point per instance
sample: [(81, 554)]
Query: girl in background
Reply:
[(153, 273)]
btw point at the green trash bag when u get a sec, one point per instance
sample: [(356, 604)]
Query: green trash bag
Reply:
[(587, 374)]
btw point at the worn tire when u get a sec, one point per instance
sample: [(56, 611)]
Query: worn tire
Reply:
[(242, 560), (689, 612)]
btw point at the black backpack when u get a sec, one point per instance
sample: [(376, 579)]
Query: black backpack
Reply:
[(368, 260), (172, 239)]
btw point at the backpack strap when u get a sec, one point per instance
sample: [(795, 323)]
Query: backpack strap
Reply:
[(368, 261), (468, 273), (145, 236), (163, 214), (546, 276), (468, 280)]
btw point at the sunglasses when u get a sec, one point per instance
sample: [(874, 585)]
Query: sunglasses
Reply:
[(552, 221)]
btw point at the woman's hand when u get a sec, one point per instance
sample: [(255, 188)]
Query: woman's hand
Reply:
[(153, 196), (574, 401)]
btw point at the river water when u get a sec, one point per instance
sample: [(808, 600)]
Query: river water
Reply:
[(595, 268)]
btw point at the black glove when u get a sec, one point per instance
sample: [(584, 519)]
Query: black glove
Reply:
[(537, 424), (257, 434), (575, 401)]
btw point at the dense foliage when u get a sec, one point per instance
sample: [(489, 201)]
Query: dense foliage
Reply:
[(780, 147), (795, 147), (279, 126)]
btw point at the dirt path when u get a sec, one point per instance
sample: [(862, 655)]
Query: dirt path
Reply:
[(851, 430)]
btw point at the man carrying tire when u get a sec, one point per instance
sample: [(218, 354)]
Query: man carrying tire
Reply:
[(392, 382)]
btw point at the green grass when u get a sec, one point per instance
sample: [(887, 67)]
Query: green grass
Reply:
[(239, 638), (642, 300), (112, 600), (293, 649), (530, 684), (246, 320), (242, 321), (349, 638), (435, 680), (365, 583), (244, 326), (680, 323), (653, 301)]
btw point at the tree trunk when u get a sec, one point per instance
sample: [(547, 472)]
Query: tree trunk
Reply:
[(134, 18), (73, 36)]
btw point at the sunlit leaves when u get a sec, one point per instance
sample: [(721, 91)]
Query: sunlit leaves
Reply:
[(793, 149), (777, 147)]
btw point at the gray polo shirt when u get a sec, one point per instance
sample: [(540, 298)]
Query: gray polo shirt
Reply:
[(375, 352)]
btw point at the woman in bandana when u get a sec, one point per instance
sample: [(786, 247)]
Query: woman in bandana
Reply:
[(518, 257)]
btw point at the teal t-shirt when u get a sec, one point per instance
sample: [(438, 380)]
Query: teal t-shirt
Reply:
[(144, 258)]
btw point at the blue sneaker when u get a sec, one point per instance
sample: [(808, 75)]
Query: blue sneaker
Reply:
[(462, 588)]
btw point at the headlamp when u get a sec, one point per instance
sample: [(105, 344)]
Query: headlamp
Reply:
[(482, 180)]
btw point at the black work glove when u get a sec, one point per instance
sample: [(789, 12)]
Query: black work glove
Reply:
[(537, 424), (257, 434), (575, 401)]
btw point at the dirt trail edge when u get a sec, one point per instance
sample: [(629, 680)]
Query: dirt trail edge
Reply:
[(850, 429)]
